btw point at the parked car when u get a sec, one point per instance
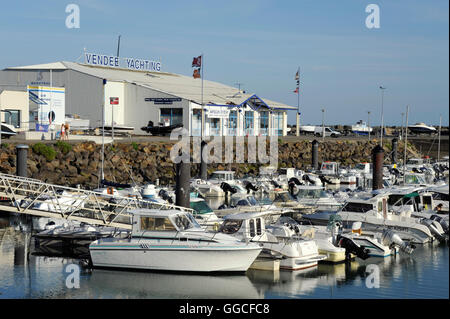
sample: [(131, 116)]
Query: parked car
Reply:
[(328, 131)]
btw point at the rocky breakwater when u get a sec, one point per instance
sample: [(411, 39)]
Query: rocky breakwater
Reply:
[(80, 164)]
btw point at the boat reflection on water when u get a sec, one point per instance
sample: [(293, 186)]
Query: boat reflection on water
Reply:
[(133, 284)]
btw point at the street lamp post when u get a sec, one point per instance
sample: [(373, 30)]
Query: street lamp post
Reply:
[(382, 114), (368, 123)]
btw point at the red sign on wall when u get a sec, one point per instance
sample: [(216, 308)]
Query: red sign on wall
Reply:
[(113, 100)]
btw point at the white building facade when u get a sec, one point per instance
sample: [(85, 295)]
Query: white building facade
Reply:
[(140, 96)]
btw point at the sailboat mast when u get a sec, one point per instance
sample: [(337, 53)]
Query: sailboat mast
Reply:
[(406, 144)]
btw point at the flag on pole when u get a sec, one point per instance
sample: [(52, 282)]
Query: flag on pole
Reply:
[(297, 78), (196, 73), (197, 62)]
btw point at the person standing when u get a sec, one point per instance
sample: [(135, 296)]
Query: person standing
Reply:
[(63, 130), (66, 127)]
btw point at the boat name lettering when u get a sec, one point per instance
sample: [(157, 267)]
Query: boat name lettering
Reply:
[(116, 62)]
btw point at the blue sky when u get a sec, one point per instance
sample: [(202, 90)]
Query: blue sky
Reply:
[(260, 43)]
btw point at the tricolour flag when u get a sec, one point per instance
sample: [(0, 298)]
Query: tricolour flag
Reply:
[(296, 90), (197, 62)]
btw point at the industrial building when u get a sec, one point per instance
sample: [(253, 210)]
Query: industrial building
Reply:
[(36, 96)]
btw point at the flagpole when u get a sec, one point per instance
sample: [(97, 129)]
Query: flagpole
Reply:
[(298, 103), (203, 111)]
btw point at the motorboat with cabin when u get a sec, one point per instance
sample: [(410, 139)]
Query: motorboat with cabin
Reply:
[(317, 198), (373, 213), (239, 203), (171, 240), (203, 214), (361, 128), (320, 234), (329, 171), (7, 130), (296, 253), (422, 128)]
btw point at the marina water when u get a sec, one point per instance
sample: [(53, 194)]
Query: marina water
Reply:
[(30, 271)]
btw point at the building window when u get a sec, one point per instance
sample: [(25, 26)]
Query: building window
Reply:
[(278, 123), (196, 122), (12, 117), (249, 123), (263, 122), (215, 126), (232, 123), (171, 116)]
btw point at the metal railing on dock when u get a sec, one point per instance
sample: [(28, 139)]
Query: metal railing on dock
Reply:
[(30, 196)]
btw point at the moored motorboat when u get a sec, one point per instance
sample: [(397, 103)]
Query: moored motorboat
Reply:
[(171, 240), (277, 240)]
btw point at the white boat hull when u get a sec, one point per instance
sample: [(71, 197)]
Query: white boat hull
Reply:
[(164, 256)]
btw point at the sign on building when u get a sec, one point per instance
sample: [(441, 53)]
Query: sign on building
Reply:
[(127, 63), (49, 103), (217, 112)]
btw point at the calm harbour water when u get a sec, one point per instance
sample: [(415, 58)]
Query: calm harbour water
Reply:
[(26, 274)]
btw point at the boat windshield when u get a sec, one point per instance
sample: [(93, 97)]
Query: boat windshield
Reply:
[(230, 226), (414, 161), (414, 179), (283, 197), (357, 207), (440, 196), (312, 193), (327, 167), (201, 207), (184, 221), (360, 166), (222, 176)]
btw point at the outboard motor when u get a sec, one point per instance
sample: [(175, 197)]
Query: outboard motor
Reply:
[(275, 184), (307, 179), (435, 228), (291, 187), (228, 188), (250, 187), (394, 171), (324, 180), (351, 248), (295, 181), (441, 221), (164, 195), (389, 238)]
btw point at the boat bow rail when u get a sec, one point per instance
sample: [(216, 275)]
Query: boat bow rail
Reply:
[(30, 196)]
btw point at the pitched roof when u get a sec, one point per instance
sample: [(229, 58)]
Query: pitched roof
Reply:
[(175, 84)]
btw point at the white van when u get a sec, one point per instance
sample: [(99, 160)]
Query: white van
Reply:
[(328, 131)]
